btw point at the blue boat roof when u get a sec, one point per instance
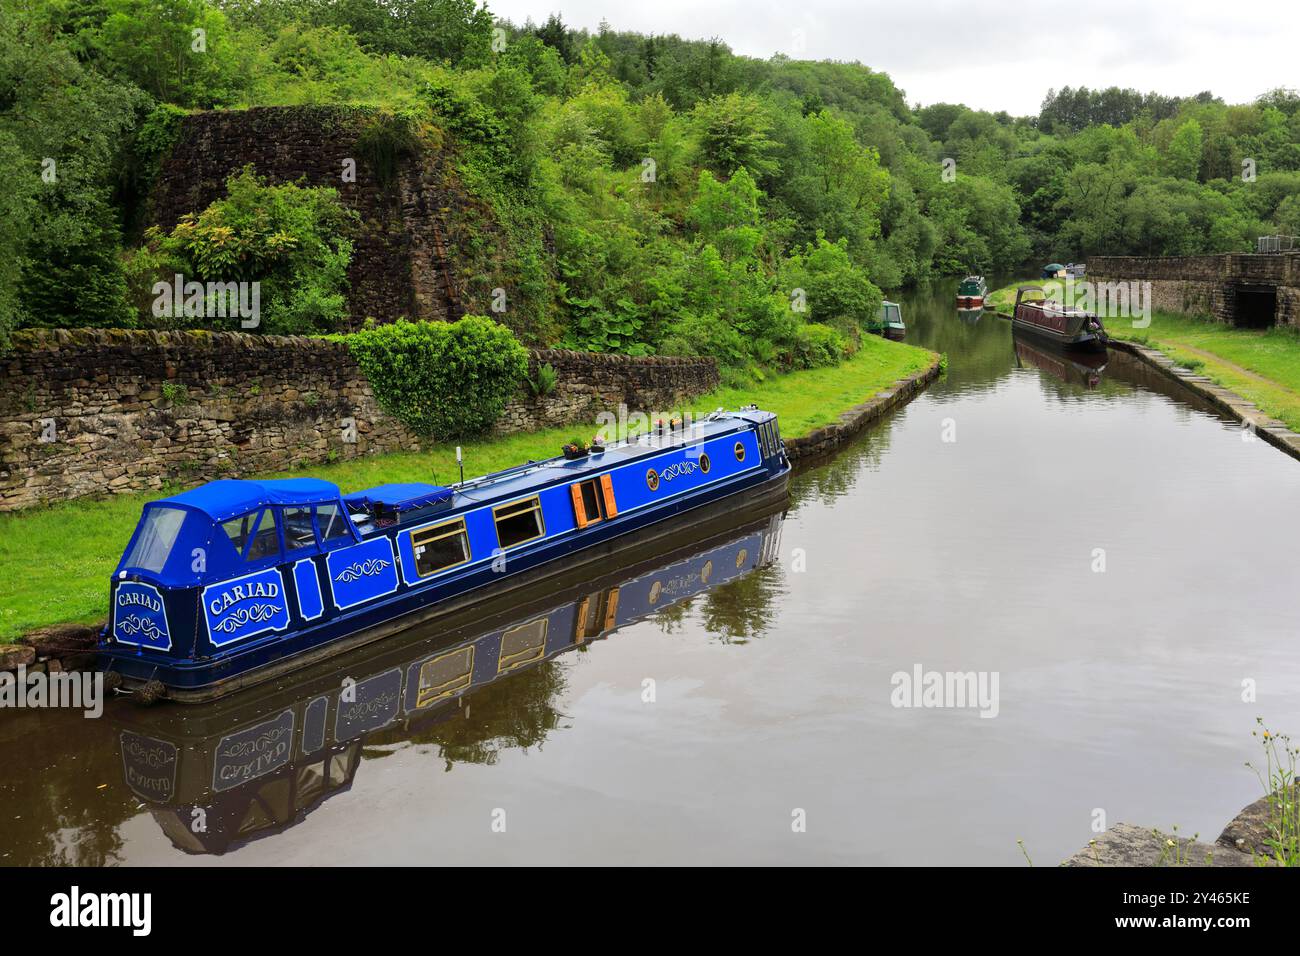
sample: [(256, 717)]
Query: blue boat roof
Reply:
[(226, 498), (400, 497)]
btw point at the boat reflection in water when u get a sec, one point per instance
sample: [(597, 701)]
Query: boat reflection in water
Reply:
[(218, 776), (1074, 368), (971, 315)]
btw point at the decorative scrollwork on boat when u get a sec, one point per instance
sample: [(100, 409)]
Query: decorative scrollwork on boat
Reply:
[(245, 615), (361, 569), (139, 625)]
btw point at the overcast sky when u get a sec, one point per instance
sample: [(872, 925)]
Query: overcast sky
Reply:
[(987, 54)]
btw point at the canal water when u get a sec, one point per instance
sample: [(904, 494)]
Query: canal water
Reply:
[(1114, 561)]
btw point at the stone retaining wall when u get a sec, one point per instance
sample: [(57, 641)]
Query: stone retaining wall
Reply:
[(1208, 285), (90, 411), (824, 440)]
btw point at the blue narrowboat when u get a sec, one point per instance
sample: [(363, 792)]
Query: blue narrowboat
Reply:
[(259, 763), (237, 582)]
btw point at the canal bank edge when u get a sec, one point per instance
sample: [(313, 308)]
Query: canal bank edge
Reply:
[(1223, 400), (71, 646), (1243, 842), (823, 440)]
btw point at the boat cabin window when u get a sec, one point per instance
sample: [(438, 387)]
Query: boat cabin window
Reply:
[(154, 542), (519, 521), (442, 546), (331, 523), (265, 542), (587, 502), (253, 534), (298, 530)]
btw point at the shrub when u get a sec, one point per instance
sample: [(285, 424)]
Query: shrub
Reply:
[(707, 335), (444, 380), (290, 239), (816, 346)]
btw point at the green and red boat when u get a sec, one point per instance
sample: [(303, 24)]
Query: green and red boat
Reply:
[(971, 292)]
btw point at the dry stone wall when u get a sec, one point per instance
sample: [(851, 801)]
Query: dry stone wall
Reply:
[(85, 412)]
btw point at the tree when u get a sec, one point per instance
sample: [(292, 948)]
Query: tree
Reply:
[(178, 51), (1183, 158), (732, 131)]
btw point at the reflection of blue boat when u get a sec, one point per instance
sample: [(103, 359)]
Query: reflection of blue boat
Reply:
[(260, 763), (235, 582)]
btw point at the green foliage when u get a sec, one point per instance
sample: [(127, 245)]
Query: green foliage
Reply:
[(178, 51), (816, 346), (732, 132), (387, 140), (623, 192), (544, 382), (444, 380), (291, 239), (61, 126), (835, 289)]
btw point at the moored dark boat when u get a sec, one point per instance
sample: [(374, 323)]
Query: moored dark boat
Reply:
[(971, 292), (1065, 326), (235, 582)]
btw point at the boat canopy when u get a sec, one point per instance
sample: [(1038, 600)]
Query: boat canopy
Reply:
[(222, 528), (224, 499), (399, 497)]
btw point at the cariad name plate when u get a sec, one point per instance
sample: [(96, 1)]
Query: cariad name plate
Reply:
[(140, 617), (244, 607)]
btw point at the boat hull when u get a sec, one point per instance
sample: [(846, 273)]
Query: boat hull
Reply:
[(1065, 331), (199, 679)]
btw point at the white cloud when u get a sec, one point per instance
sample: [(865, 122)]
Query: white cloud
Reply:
[(988, 54)]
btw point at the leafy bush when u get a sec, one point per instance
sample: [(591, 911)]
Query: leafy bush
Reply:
[(444, 380), (291, 239), (701, 335), (816, 346)]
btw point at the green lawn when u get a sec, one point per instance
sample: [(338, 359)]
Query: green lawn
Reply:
[(56, 561), (1260, 365)]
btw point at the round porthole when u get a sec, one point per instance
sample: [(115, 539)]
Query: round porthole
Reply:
[(707, 572), (655, 590), (652, 479), (740, 558), (704, 463), (740, 451)]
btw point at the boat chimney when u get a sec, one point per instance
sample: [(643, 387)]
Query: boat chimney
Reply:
[(460, 462)]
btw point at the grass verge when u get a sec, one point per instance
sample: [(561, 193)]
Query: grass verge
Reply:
[(56, 561)]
